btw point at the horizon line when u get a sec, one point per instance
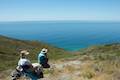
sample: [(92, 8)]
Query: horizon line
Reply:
[(61, 20)]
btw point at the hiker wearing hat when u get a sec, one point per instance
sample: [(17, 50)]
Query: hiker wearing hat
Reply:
[(24, 64), (43, 59), (26, 67)]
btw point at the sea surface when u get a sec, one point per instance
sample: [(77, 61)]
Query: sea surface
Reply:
[(70, 35)]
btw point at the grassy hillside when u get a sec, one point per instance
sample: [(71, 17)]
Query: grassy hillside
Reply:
[(9, 49), (103, 52), (94, 63), (101, 62)]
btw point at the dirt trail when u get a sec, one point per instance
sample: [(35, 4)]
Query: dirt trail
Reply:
[(66, 70)]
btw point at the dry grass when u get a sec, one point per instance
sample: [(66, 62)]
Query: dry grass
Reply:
[(86, 70)]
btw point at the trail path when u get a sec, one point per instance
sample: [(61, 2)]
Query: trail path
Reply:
[(66, 70)]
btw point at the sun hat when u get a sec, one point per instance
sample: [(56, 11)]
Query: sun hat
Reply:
[(44, 50), (24, 52)]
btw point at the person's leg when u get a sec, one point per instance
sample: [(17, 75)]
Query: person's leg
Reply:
[(31, 76), (34, 78)]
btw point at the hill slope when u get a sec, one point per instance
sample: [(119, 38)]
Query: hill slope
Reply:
[(9, 49), (94, 63), (103, 52)]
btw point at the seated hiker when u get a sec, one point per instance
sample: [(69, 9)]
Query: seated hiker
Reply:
[(43, 59), (25, 66)]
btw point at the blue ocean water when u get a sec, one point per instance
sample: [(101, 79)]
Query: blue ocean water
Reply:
[(70, 35)]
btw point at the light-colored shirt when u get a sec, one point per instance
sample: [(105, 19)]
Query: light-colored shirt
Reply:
[(24, 62)]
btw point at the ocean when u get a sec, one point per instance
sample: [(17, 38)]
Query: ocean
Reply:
[(70, 35)]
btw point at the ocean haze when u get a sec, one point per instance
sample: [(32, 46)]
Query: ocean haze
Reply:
[(70, 35)]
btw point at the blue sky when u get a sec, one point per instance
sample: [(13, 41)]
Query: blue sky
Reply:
[(30, 10)]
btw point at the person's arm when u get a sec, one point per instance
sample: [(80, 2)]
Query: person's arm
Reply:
[(19, 68), (46, 57), (39, 59)]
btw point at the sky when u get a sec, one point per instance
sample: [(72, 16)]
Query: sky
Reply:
[(37, 10)]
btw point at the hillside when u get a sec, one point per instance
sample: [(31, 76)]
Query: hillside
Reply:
[(103, 52), (101, 62), (9, 49)]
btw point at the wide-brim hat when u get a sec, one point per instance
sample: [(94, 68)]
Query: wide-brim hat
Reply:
[(24, 52), (44, 50)]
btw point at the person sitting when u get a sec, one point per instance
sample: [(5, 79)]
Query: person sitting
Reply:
[(24, 64), (43, 59)]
